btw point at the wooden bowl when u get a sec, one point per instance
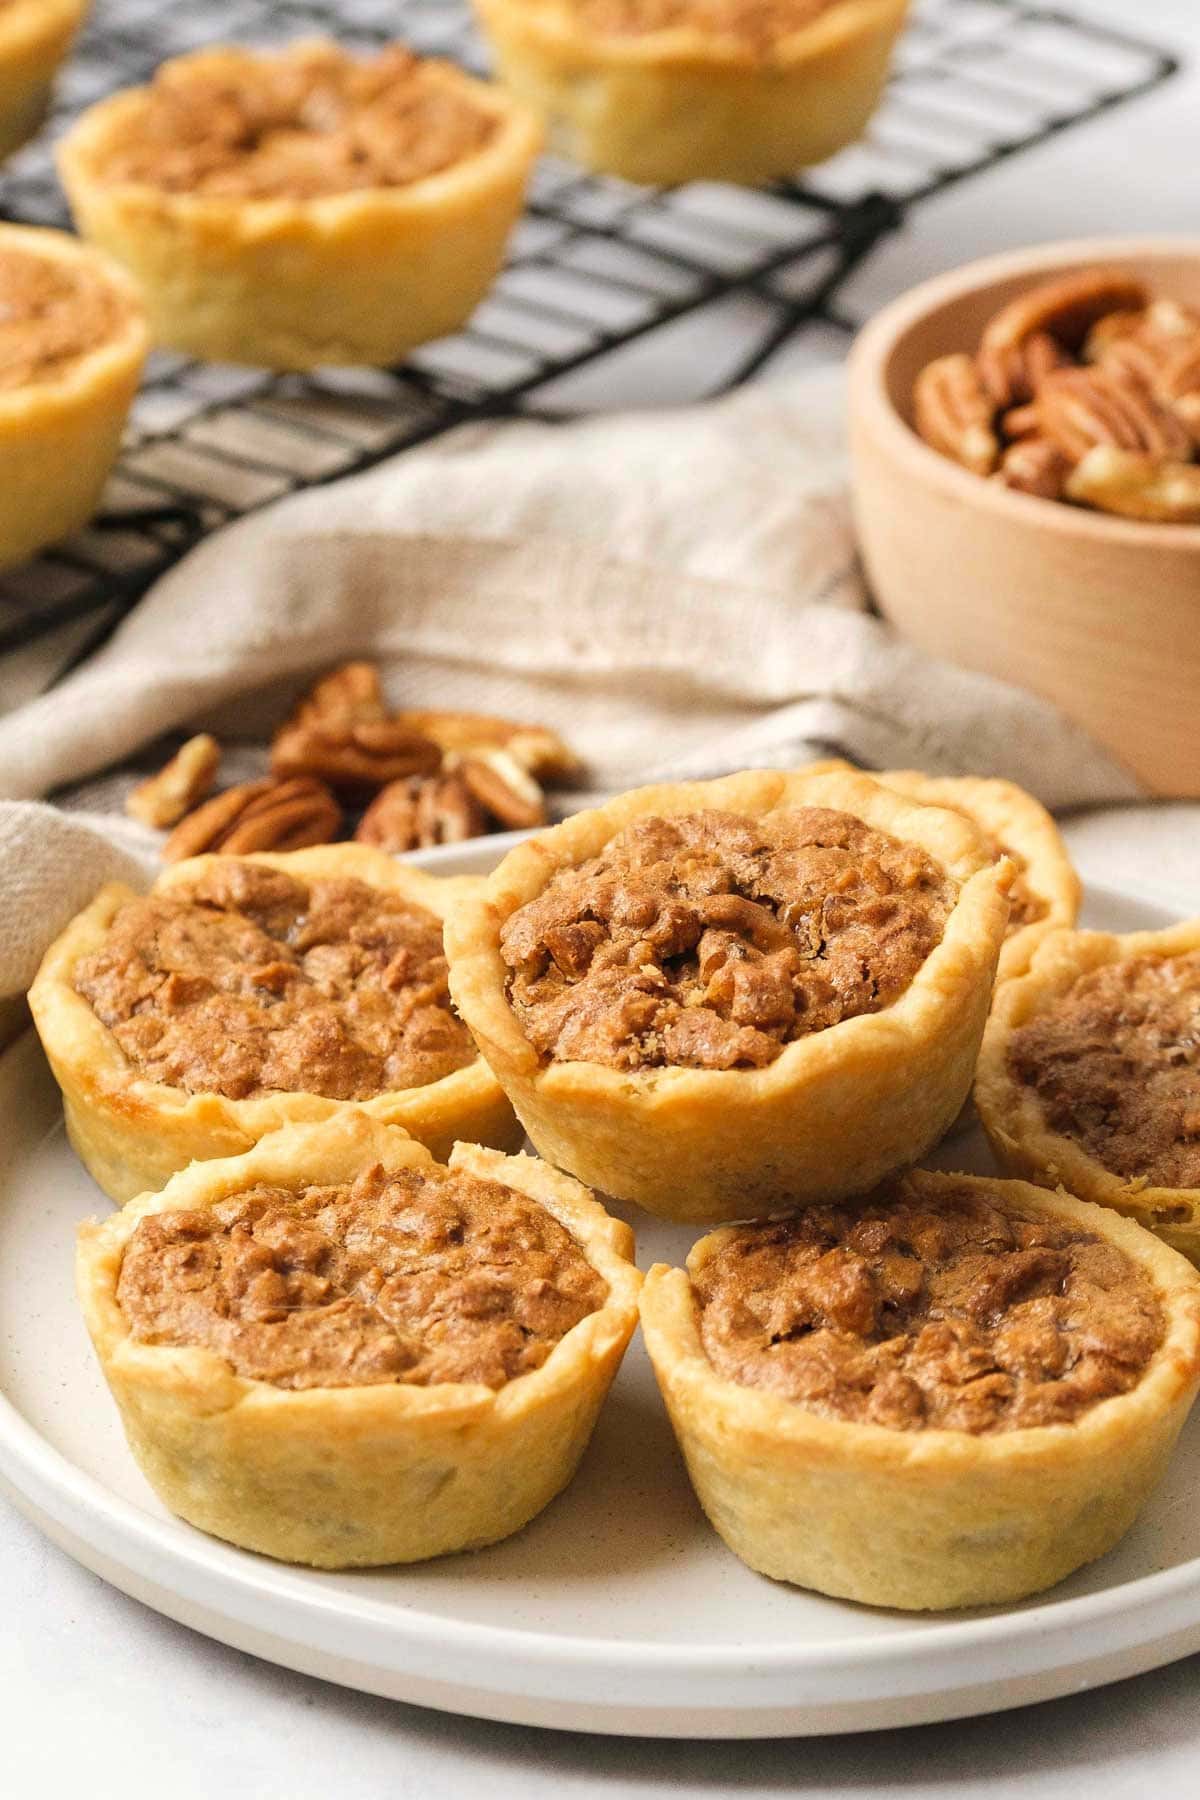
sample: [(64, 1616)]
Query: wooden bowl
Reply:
[(1099, 614)]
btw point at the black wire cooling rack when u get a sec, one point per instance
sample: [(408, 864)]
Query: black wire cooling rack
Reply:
[(594, 264)]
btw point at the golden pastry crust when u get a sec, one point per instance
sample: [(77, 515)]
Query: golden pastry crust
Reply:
[(61, 419), (690, 103), (34, 37), (133, 1134), (1022, 1138), (1046, 894), (341, 1477), (934, 1518), (294, 282), (833, 1112)]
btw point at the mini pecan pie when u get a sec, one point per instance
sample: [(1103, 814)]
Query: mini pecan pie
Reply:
[(34, 37), (1045, 892), (245, 993), (334, 1350), (72, 344), (717, 998), (1090, 1074), (950, 1393), (303, 206), (666, 91)]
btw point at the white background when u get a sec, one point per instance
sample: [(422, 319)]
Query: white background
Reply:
[(102, 1698)]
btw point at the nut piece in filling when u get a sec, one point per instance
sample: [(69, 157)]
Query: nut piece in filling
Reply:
[(249, 980), (419, 1275), (248, 992), (710, 940), (722, 999), (391, 184), (1089, 1074), (666, 91), (950, 1393), (334, 1350), (72, 343)]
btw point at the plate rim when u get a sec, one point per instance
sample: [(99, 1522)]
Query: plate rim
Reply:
[(197, 1549)]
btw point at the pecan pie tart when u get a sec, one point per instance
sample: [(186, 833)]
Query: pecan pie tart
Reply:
[(72, 343), (666, 91), (303, 206), (248, 992), (717, 998), (1045, 893), (35, 35), (950, 1393), (1090, 1074), (334, 1350)]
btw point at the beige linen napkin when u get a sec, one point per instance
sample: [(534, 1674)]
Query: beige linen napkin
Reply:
[(677, 592)]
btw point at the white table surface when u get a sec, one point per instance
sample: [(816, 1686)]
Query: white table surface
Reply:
[(102, 1698)]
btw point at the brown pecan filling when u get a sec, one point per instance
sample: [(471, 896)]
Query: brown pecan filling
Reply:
[(954, 1313), (711, 940), (248, 982), (420, 1276), (52, 313), (1115, 1064), (298, 124)]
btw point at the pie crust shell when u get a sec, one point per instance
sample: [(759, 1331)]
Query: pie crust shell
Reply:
[(341, 1477), (686, 104), (1021, 825), (132, 1134), (59, 437), (832, 1114), (930, 1519), (34, 37), (1022, 1140), (359, 277)]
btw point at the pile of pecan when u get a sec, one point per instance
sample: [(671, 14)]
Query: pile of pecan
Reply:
[(1082, 389), (403, 780)]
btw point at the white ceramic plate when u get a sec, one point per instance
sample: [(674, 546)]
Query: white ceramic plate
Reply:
[(618, 1610)]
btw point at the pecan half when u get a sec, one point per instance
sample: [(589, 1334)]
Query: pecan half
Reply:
[(1035, 466), (1066, 308), (165, 798), (954, 412), (1137, 486), (1163, 325), (1021, 421), (499, 783), (1013, 375), (1179, 377), (258, 815), (1079, 408), (539, 750), (1167, 365), (349, 695), (352, 756), (417, 813)]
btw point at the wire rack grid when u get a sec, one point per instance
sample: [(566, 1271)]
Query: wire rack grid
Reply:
[(594, 265)]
